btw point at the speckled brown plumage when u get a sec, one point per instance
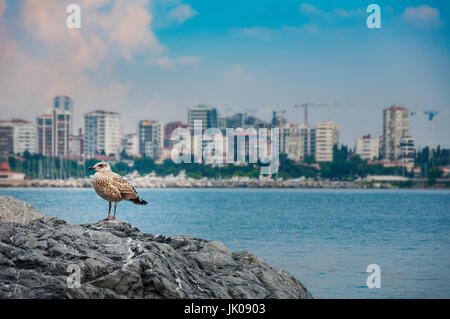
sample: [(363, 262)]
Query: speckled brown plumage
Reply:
[(113, 188)]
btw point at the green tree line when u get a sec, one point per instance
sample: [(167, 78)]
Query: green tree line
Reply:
[(345, 166)]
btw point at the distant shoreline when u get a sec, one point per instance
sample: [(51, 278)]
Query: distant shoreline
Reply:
[(241, 182)]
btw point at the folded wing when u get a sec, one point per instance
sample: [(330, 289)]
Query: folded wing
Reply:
[(126, 189)]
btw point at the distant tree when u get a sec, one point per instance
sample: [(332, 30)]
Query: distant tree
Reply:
[(238, 173), (435, 173), (27, 155), (340, 153), (309, 159), (145, 165), (121, 168)]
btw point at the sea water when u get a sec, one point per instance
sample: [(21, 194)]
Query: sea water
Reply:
[(326, 238)]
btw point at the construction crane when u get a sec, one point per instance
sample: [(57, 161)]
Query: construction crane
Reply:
[(430, 114), (305, 106)]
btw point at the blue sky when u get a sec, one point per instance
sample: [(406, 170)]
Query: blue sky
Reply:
[(153, 59)]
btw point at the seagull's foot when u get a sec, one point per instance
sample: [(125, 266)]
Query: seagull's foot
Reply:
[(109, 218)]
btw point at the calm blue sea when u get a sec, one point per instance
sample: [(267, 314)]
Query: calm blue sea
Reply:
[(325, 238)]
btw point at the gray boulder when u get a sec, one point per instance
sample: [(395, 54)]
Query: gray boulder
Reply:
[(50, 258), (17, 211)]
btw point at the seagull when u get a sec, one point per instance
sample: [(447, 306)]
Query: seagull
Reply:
[(113, 188)]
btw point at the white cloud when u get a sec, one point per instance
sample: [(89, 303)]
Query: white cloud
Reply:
[(349, 13), (423, 16), (306, 8), (181, 13), (261, 33), (161, 62), (130, 28), (122, 32), (39, 55), (2, 7), (329, 16), (166, 62), (93, 4)]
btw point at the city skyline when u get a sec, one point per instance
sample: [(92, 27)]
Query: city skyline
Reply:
[(265, 57), (211, 118)]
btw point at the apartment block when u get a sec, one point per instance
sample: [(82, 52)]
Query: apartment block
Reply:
[(103, 131), (207, 114), (367, 147), (130, 144), (327, 136), (151, 138), (17, 136), (307, 134), (395, 127)]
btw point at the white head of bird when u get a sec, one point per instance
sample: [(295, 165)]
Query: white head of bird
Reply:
[(100, 167)]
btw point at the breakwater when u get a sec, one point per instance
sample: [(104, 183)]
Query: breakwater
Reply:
[(152, 181)]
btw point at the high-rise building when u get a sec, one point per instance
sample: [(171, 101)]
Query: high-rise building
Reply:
[(53, 133), (103, 132), (307, 134), (151, 138), (62, 120), (54, 128), (65, 103), (76, 144), (408, 151), (130, 144), (241, 120), (236, 120), (24, 136), (327, 136), (367, 147), (395, 127), (277, 120), (44, 124), (294, 148), (251, 121), (168, 129), (6, 138), (17, 136), (222, 122), (207, 114)]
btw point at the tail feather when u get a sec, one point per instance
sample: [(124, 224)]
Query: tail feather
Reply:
[(138, 201)]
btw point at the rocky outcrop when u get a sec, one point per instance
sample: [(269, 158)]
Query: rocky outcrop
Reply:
[(50, 258), (17, 211)]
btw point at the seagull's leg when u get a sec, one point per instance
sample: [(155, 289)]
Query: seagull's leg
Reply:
[(109, 212), (115, 207)]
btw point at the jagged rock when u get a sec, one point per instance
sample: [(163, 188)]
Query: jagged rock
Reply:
[(43, 258), (17, 211)]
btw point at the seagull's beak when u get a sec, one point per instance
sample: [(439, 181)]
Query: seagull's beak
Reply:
[(91, 168)]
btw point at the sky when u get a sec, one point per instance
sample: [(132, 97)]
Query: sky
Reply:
[(154, 59)]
